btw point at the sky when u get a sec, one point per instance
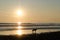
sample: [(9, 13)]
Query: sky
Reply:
[(36, 11)]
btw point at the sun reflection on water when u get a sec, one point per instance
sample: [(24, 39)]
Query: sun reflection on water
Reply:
[(19, 23), (19, 31)]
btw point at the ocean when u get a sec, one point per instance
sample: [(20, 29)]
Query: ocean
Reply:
[(20, 30)]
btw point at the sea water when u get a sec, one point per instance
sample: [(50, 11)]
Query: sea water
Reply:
[(21, 32)]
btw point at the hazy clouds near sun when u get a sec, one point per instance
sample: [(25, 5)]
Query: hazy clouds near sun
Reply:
[(34, 10)]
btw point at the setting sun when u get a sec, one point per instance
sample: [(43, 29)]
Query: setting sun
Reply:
[(19, 12)]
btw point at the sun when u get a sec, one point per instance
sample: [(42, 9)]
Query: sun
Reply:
[(19, 12)]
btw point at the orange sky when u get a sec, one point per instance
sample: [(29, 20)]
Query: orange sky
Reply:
[(33, 11)]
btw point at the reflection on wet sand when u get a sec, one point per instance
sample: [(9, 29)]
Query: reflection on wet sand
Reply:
[(19, 31)]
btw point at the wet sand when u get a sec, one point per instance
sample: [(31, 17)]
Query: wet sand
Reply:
[(41, 36)]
